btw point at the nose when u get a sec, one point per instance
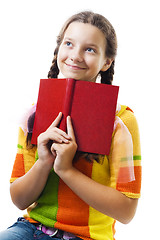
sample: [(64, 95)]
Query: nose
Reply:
[(76, 55)]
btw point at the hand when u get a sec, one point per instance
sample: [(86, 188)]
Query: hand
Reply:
[(51, 134), (65, 151)]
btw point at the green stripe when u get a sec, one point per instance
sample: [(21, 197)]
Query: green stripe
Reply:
[(136, 157), (19, 146), (36, 156), (46, 210)]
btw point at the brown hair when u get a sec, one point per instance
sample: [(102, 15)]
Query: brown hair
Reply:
[(103, 25)]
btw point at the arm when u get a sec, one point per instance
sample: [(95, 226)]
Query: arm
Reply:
[(104, 199), (26, 189)]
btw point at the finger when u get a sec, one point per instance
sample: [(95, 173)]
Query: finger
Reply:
[(55, 147), (52, 135), (62, 133), (56, 121), (53, 151), (56, 137), (70, 130)]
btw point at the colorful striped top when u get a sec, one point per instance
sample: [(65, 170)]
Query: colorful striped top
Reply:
[(60, 207)]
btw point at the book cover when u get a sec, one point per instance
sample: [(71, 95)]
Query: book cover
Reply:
[(92, 107)]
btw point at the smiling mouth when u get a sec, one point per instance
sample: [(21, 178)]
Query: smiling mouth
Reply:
[(75, 67)]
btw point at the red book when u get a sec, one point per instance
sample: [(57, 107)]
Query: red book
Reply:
[(92, 107)]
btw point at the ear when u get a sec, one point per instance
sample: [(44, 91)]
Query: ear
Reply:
[(107, 64)]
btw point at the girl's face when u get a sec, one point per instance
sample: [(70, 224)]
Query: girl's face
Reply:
[(82, 52)]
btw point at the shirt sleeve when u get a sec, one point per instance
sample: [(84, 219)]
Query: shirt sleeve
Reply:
[(130, 188), (25, 158)]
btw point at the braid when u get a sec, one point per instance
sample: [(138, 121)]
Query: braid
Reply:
[(54, 70), (107, 76)]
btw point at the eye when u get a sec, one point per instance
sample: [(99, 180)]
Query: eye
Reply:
[(68, 44), (91, 50)]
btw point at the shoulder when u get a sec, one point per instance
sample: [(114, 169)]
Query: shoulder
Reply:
[(27, 112), (129, 119)]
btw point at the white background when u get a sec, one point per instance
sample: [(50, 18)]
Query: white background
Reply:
[(28, 31)]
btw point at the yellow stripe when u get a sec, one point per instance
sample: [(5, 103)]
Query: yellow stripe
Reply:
[(132, 195), (21, 138), (12, 180), (123, 108), (28, 155), (137, 163), (100, 225), (129, 164), (131, 123), (29, 158), (19, 150)]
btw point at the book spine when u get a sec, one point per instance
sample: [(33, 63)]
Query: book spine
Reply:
[(67, 102)]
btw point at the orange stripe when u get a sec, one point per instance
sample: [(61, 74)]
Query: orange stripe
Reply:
[(124, 174), (18, 167), (113, 229), (129, 109), (30, 220), (72, 211), (132, 187)]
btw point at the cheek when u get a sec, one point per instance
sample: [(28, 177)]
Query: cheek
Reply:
[(62, 56), (93, 65), (59, 58), (91, 60), (62, 53)]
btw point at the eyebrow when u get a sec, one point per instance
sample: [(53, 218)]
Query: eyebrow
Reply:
[(92, 45), (67, 39), (88, 44)]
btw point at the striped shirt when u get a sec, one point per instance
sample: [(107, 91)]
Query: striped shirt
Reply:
[(59, 207)]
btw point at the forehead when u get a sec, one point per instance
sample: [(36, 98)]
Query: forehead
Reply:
[(85, 32)]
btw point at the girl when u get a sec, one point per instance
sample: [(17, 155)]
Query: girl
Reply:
[(70, 194)]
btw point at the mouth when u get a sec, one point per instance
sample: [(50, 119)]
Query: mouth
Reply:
[(74, 67)]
